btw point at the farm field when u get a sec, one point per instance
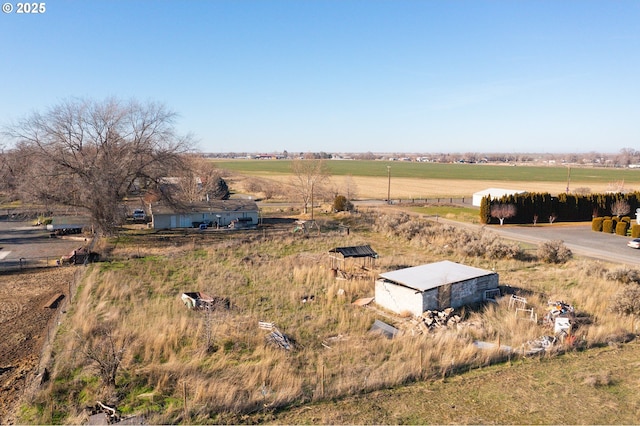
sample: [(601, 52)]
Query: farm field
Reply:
[(415, 180)]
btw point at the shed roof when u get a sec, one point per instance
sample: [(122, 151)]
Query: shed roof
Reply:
[(355, 251), (433, 275)]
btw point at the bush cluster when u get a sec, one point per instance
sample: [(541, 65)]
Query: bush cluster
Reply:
[(624, 275), (467, 243)]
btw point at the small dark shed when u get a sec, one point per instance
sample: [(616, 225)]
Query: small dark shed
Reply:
[(339, 255)]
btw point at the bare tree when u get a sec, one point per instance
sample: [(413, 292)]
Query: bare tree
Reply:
[(503, 211), (88, 154), (620, 208), (309, 176), (201, 180), (105, 350), (350, 188)]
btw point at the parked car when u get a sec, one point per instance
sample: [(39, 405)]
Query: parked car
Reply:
[(138, 214), (635, 243)]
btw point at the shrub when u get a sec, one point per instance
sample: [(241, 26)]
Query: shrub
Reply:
[(621, 228), (626, 219), (624, 275), (627, 301), (607, 226), (486, 245), (554, 252), (341, 204), (596, 224), (635, 231)]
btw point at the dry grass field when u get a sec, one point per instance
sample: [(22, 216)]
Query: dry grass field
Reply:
[(179, 365), (408, 188)]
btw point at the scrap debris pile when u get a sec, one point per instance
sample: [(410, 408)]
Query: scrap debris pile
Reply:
[(201, 301), (276, 337), (431, 320), (558, 309), (538, 345)]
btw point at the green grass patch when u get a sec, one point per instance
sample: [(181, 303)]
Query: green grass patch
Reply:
[(462, 214), (442, 171)]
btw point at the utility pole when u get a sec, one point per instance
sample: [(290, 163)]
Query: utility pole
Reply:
[(312, 201), (389, 185), (568, 178)]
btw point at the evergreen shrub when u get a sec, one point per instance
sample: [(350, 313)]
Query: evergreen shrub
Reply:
[(621, 228), (596, 224), (607, 226)]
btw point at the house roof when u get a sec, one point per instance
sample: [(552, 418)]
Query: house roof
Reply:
[(355, 251), (497, 192), (206, 207), (433, 275)]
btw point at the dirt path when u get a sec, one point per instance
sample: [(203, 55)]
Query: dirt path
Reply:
[(24, 321)]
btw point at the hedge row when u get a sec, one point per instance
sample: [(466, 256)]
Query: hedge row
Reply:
[(543, 207), (620, 226)]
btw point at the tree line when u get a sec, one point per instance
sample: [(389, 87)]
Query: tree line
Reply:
[(544, 207)]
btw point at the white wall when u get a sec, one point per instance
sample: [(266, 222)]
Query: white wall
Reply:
[(398, 299)]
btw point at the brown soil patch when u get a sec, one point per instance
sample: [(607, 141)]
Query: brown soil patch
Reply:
[(24, 323)]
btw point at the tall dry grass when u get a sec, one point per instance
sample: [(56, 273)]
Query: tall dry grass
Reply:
[(221, 363)]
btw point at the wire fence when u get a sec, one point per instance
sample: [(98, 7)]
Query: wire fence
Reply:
[(29, 262)]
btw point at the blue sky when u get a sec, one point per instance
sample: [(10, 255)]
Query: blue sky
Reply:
[(342, 75)]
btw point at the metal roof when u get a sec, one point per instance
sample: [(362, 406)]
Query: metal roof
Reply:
[(212, 206), (433, 275), (355, 251)]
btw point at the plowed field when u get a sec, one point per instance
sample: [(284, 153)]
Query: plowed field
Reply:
[(24, 325)]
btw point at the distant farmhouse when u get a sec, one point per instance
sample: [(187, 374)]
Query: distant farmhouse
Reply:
[(495, 193), (214, 213), (434, 286)]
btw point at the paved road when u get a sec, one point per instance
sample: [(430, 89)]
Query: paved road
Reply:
[(22, 240), (579, 238)]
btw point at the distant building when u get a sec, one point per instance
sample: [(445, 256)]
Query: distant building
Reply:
[(434, 286), (69, 224), (495, 193), (214, 213)]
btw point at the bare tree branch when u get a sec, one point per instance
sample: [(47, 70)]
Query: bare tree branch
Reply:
[(88, 154)]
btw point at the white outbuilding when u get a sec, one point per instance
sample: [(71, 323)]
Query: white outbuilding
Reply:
[(495, 193), (434, 286)]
